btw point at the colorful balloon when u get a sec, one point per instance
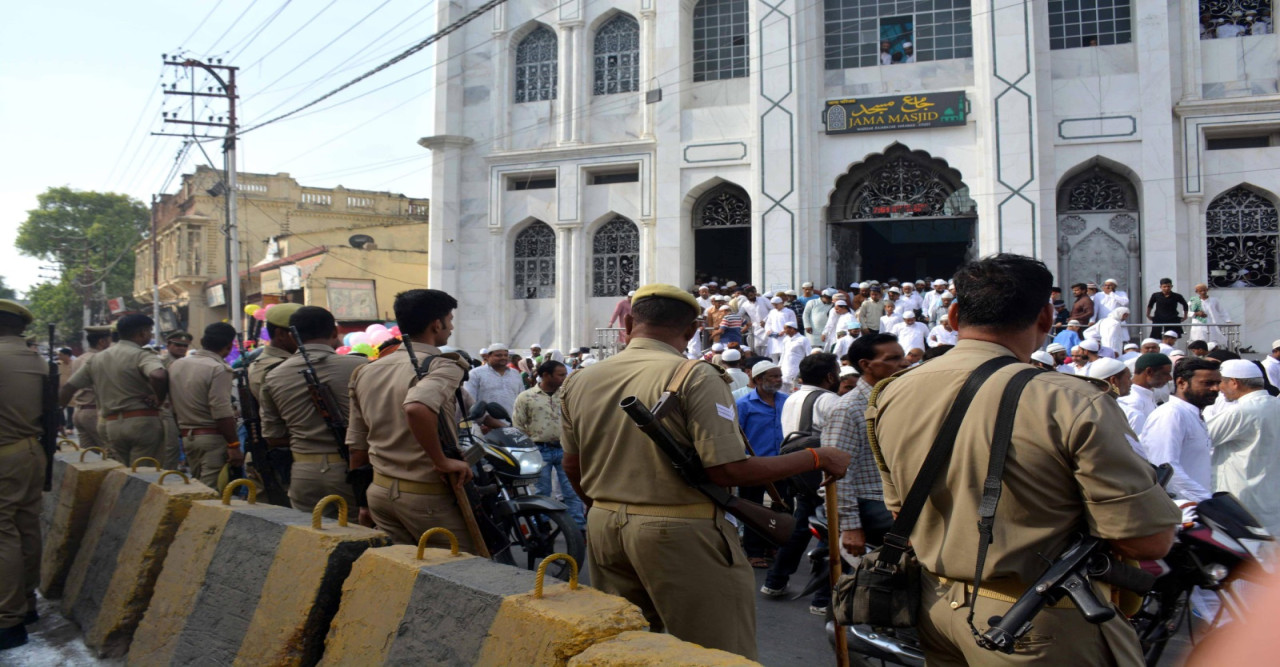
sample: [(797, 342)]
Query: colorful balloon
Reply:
[(251, 309), (358, 337), (260, 315), (374, 328), (343, 350), (363, 348)]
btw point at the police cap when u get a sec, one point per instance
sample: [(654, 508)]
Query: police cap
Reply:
[(279, 314), (665, 291), (15, 308), (180, 336)]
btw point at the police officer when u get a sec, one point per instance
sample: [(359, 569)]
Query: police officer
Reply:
[(651, 538), (410, 492), (290, 418), (278, 348), (85, 402), (130, 384), (176, 346), (22, 462), (1070, 469), (201, 384)]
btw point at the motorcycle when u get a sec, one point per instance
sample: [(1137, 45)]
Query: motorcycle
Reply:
[(1220, 549), (507, 466)]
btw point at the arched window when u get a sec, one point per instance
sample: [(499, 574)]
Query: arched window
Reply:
[(615, 258), (724, 206), (720, 40), (617, 53), (1242, 231), (536, 66), (1098, 190), (535, 262)]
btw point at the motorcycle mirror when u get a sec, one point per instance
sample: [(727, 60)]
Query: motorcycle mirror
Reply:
[(497, 412), (477, 411), (1164, 473)]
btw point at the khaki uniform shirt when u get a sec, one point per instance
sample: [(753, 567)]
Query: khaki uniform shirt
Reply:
[(84, 397), (22, 373), (1069, 467), (287, 408), (168, 359), (200, 384), (271, 357), (379, 392), (537, 413), (64, 371), (119, 377), (619, 463)]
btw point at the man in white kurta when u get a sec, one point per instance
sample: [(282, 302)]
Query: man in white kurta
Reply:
[(1271, 364), (816, 312), (1110, 332), (1206, 312), (891, 318), (1176, 434), (775, 322), (1149, 371), (795, 347), (1246, 443), (911, 334), (840, 310), (943, 334)]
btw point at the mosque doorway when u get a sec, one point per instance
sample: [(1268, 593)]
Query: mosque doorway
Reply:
[(722, 235), (1099, 232), (900, 214)]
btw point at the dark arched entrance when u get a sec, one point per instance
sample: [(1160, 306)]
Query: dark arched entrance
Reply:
[(901, 214), (722, 235)]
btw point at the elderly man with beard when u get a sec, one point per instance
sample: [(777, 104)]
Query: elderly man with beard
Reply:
[(1246, 442), (1176, 434)]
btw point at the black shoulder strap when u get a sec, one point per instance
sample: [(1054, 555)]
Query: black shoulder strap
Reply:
[(896, 542), (806, 410), (991, 488)]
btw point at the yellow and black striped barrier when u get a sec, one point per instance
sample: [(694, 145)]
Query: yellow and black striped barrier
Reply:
[(630, 649), (65, 510)]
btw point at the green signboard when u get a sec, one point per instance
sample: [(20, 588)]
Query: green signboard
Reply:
[(896, 112)]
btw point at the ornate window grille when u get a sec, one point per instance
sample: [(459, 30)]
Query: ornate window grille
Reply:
[(535, 262), (1099, 190), (617, 56), (1220, 19), (536, 66), (615, 258), (1242, 231), (937, 30), (720, 39), (1078, 23), (723, 207), (900, 184)]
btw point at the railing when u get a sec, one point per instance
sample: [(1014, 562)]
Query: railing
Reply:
[(252, 187), (359, 202), (608, 343), (1227, 334), (317, 199), (419, 210)]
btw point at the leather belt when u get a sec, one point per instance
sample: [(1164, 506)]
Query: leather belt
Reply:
[(191, 432), (692, 511), (407, 486), (91, 406), (1009, 595), (29, 440), (322, 458), (131, 414)]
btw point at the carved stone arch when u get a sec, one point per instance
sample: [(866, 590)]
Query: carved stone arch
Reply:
[(723, 206), (1097, 189), (1242, 238), (615, 49), (899, 183), (615, 255), (533, 260), (1099, 227), (720, 218), (535, 62)]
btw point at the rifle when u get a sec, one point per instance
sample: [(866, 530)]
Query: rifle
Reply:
[(773, 526), (50, 415), (485, 534), (275, 478), (322, 397)]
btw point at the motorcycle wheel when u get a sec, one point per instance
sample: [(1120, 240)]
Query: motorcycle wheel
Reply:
[(539, 533)]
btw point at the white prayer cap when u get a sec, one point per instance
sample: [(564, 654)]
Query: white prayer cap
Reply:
[(1111, 281), (906, 45), (498, 347), (895, 290), (1105, 368), (829, 291), (1090, 345), (1042, 357), (1115, 314), (537, 346), (853, 324), (484, 351), (938, 282), (713, 284), (790, 324), (846, 371), (731, 284), (762, 368), (731, 355), (589, 361), (791, 292), (1212, 346), (1150, 341), (909, 315), (1177, 353), (1171, 334), (1240, 369), (806, 284), (725, 307), (920, 282), (717, 347), (1130, 346), (1054, 348), (1092, 286), (631, 293), (946, 295), (776, 299), (1073, 323), (1275, 344), (842, 302)]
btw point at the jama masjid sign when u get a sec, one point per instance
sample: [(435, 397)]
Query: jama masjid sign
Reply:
[(897, 112)]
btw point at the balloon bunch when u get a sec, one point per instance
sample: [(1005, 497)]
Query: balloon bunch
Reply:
[(368, 342)]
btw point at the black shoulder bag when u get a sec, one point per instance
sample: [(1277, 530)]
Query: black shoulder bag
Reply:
[(805, 437)]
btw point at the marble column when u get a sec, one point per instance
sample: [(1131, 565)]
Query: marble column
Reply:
[(775, 67), (500, 93), (648, 250), (499, 286), (1190, 31), (565, 237), (566, 93), (443, 234), (647, 57)]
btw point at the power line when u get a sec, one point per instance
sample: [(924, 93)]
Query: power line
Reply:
[(294, 33), (321, 49), (209, 51), (253, 34), (201, 24)]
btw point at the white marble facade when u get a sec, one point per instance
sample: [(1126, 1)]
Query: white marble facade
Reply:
[(1141, 111)]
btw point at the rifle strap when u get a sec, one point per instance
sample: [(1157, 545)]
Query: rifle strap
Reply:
[(991, 488)]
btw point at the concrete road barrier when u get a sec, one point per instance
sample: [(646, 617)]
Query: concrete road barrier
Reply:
[(642, 649), (77, 476), (403, 605), (250, 584), (133, 521)]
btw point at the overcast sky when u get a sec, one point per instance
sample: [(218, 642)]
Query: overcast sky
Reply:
[(77, 77)]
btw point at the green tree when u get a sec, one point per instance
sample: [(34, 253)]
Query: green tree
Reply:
[(91, 236), (6, 292), (57, 304)]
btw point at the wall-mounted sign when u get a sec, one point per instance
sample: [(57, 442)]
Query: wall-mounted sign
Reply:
[(352, 299), (214, 296), (896, 112)]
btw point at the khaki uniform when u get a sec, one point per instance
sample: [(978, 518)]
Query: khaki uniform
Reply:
[(172, 441), (288, 412), (271, 357), (85, 402), (1069, 469), (651, 538), (407, 496), (127, 408), (22, 462), (200, 384)]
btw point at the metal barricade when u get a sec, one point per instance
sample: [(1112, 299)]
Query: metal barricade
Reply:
[(608, 342), (1226, 335)]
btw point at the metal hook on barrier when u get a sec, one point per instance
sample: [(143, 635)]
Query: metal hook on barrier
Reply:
[(542, 572), (453, 541), (253, 491), (68, 441), (324, 502), (86, 450), (185, 479), (140, 459)]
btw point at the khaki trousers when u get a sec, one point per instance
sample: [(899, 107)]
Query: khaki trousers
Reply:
[(690, 577), (172, 442), (206, 454), (406, 516), (1058, 636), (310, 482), (136, 437), (86, 423), (21, 480)]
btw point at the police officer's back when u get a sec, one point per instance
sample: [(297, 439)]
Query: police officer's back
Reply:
[(1069, 470), (280, 347)]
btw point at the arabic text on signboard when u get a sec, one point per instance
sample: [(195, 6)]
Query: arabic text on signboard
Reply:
[(898, 112)]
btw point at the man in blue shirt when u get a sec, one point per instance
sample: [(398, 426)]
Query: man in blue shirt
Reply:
[(1070, 337), (760, 415)]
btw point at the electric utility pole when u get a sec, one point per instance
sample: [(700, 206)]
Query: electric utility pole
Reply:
[(225, 75)]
